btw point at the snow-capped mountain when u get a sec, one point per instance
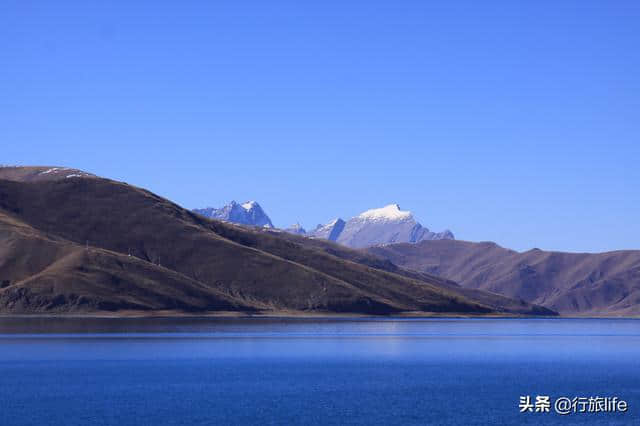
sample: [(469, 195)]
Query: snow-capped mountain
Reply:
[(373, 227), (248, 213), (331, 231)]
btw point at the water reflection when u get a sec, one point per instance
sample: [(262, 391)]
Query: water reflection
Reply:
[(412, 339)]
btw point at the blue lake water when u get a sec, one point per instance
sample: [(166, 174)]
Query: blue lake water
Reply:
[(312, 371)]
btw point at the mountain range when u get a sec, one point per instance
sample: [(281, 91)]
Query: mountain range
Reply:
[(72, 242), (570, 283), (386, 225)]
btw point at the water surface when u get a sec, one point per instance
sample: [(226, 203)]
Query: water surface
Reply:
[(72, 371)]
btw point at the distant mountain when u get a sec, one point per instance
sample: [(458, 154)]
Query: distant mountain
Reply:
[(296, 229), (60, 253), (374, 227), (386, 225), (569, 283), (331, 231), (248, 213)]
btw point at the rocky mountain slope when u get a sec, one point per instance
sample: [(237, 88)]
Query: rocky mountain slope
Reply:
[(331, 231), (296, 228), (248, 213), (374, 227), (87, 244), (386, 225), (570, 283)]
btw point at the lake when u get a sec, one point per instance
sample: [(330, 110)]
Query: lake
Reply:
[(270, 371)]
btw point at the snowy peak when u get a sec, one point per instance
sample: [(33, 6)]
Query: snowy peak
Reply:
[(247, 213), (386, 225), (331, 231), (391, 212), (249, 205), (329, 225)]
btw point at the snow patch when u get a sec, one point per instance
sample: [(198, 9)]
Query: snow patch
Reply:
[(391, 212), (50, 171), (53, 170), (248, 205)]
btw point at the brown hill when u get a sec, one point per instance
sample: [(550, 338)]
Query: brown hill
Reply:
[(78, 244), (570, 283), (44, 273), (493, 300), (38, 174)]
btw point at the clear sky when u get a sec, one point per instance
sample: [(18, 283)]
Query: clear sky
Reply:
[(511, 121)]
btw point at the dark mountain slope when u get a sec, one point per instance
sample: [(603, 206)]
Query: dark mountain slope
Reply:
[(124, 219), (495, 301), (250, 267), (571, 283), (39, 174), (40, 273)]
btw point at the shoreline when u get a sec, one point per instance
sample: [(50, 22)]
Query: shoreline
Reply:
[(295, 315)]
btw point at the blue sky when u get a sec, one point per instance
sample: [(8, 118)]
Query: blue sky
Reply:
[(517, 122)]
